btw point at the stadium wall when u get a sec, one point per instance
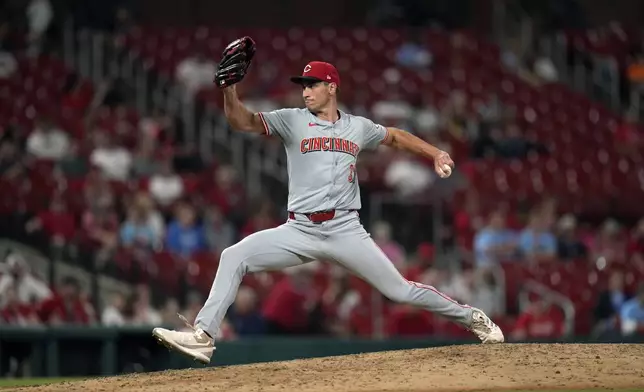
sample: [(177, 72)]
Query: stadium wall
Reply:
[(99, 351)]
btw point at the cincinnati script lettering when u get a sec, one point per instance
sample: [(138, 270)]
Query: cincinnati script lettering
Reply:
[(329, 144)]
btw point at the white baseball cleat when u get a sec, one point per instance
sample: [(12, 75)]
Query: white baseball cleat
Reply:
[(485, 328), (195, 344)]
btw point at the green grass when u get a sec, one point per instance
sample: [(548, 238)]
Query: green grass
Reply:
[(26, 382)]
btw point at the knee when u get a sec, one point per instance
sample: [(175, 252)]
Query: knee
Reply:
[(232, 258)]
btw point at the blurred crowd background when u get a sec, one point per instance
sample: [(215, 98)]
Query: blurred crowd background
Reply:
[(122, 182)]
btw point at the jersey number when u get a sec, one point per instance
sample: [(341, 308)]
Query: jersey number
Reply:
[(352, 173)]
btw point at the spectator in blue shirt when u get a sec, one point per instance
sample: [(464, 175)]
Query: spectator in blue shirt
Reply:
[(537, 242), (632, 314), (494, 243), (413, 54), (184, 236), (136, 232), (244, 316)]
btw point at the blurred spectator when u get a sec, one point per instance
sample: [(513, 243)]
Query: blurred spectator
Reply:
[(67, 306), (123, 20), (491, 112), (8, 65), (10, 157), (487, 294), (78, 95), (244, 317), (195, 73), (536, 242), (407, 176), (139, 310), (137, 233), (395, 109), (219, 233), (513, 145), (422, 261), (57, 222), (113, 313), (413, 54), (156, 126), (288, 305), (636, 240), (569, 246), (48, 142), (143, 163), (610, 303), (263, 219), (456, 116), (427, 119), (194, 303), (540, 321), (458, 285), (15, 312), (632, 314), (494, 243), (28, 287), (97, 188), (409, 321), (381, 234), (153, 217), (100, 227), (338, 301), (166, 186), (227, 193), (185, 236), (468, 217), (113, 160), (609, 243), (40, 15), (545, 69), (169, 314)]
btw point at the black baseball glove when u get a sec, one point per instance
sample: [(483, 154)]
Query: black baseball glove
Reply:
[(235, 62)]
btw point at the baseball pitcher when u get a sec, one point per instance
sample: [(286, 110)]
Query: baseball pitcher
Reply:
[(322, 145)]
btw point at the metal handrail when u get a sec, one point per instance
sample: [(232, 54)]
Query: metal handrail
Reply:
[(558, 299)]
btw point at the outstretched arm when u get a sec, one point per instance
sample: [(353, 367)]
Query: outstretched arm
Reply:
[(238, 115), (402, 140)]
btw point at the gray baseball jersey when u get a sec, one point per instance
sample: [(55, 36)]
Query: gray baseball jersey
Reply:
[(322, 176), (322, 156)]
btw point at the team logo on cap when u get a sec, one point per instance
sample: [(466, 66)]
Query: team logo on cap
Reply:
[(307, 68)]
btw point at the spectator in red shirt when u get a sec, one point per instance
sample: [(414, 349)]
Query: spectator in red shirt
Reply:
[(56, 222), (540, 321), (407, 320), (636, 240), (286, 309), (78, 97), (423, 261), (338, 302), (67, 306), (100, 227), (227, 193), (15, 312)]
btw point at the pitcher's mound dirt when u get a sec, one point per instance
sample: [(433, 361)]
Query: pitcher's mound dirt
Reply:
[(454, 368)]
